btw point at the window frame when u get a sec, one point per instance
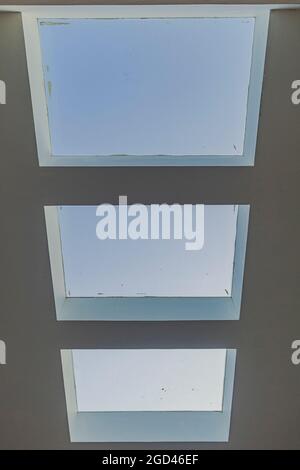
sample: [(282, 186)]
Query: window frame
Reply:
[(39, 101), (145, 308), (148, 426)]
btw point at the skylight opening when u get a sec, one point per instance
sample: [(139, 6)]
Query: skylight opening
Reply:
[(147, 87), (149, 379), (148, 395), (146, 279), (147, 268)]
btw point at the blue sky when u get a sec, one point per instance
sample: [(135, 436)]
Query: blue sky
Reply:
[(150, 380), (147, 87), (129, 268)]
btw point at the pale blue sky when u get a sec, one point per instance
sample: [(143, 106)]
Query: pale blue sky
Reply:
[(130, 268), (149, 380), (147, 87)]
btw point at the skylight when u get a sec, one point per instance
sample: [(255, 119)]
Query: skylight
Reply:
[(147, 268), (147, 279), (149, 379), (147, 86), (148, 395)]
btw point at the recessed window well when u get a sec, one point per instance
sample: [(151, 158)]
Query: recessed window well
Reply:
[(146, 279), (148, 394), (159, 86)]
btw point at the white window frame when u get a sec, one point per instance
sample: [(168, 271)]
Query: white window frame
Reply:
[(145, 308), (39, 101), (148, 426)]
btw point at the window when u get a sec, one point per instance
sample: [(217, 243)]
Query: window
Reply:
[(147, 86), (170, 87), (150, 380), (143, 268), (148, 394), (146, 279)]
